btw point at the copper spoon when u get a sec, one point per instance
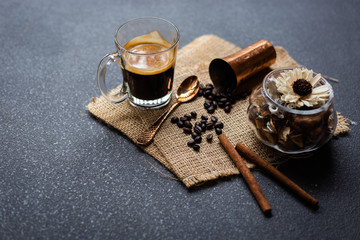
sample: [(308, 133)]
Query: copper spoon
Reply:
[(186, 91)]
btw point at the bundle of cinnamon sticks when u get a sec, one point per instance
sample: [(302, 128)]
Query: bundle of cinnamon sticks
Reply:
[(240, 148)]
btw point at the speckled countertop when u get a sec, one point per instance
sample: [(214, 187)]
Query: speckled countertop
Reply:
[(65, 175)]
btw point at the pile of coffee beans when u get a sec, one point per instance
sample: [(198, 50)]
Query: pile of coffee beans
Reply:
[(200, 127), (222, 99)]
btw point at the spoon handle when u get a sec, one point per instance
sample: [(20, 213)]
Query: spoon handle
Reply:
[(146, 137)]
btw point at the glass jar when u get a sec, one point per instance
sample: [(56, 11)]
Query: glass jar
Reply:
[(288, 130)]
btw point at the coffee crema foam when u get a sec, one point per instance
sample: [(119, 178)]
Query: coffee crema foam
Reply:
[(145, 54)]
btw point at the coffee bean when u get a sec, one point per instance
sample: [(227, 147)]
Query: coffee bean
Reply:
[(187, 130), (191, 143), (207, 93), (198, 139), (174, 119), (200, 93), (227, 109), (214, 103), (196, 147), (193, 114), (223, 100), (218, 131), (223, 95), (207, 105), (209, 137), (209, 125), (219, 125), (198, 124), (180, 124), (203, 127), (194, 135), (209, 101), (209, 86), (202, 86), (188, 116), (183, 119), (221, 104), (203, 121), (214, 119), (187, 124), (211, 110), (198, 129), (210, 97), (204, 117)]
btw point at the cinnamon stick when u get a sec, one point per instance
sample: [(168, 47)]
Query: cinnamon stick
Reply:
[(268, 168), (247, 175)]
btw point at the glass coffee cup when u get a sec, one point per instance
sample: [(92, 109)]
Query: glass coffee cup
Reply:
[(146, 53)]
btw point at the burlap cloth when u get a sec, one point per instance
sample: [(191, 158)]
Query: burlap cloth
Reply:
[(169, 146)]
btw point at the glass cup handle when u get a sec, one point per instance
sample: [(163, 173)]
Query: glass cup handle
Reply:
[(115, 95)]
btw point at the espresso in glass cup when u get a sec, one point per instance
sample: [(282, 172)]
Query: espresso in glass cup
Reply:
[(146, 53)]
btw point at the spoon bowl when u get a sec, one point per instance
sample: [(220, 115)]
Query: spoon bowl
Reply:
[(185, 92), (188, 89)]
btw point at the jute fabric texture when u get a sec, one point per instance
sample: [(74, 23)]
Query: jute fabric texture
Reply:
[(169, 146)]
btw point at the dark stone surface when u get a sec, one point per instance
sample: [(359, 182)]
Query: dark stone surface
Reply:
[(65, 175)]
